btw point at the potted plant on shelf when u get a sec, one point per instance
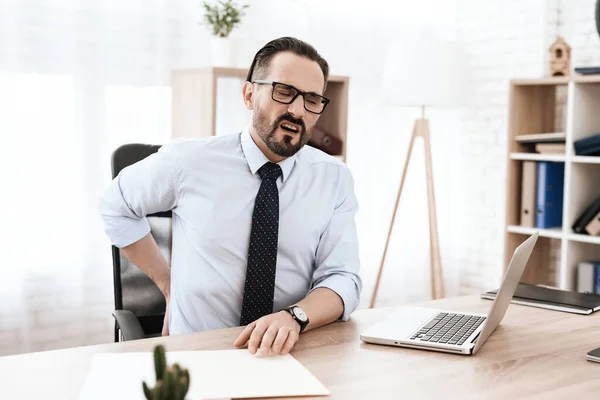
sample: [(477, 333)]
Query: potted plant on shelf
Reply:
[(222, 17)]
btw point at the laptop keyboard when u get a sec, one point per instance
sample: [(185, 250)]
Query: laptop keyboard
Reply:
[(449, 328)]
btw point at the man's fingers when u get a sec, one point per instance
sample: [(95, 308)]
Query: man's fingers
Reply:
[(290, 342), (245, 335), (282, 336), (267, 340), (256, 337)]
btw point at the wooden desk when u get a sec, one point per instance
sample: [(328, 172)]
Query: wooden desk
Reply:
[(535, 353)]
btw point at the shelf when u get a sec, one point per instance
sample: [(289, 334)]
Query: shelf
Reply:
[(575, 237), (563, 80), (586, 159), (200, 106), (553, 233), (562, 104), (586, 78), (537, 157)]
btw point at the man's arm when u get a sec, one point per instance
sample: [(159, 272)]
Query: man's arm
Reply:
[(146, 187), (336, 283)]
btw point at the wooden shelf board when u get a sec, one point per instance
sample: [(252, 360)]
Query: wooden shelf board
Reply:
[(563, 80), (586, 159), (537, 157), (575, 237), (554, 233), (586, 78)]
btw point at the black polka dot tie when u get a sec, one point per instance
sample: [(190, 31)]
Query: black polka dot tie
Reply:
[(262, 253)]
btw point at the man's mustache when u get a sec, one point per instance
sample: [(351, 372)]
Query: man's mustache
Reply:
[(289, 118)]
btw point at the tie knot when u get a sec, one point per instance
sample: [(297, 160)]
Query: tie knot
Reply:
[(270, 171)]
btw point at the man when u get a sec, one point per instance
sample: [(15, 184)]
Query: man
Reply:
[(263, 227)]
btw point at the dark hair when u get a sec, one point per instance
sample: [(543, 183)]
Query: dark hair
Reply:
[(263, 57)]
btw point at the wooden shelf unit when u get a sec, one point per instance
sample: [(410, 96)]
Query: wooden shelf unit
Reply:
[(195, 100), (533, 104)]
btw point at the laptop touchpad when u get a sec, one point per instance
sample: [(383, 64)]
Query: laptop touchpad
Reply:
[(401, 323)]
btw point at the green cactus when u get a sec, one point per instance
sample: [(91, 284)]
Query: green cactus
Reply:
[(172, 383)]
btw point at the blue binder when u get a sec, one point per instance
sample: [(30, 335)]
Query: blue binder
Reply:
[(549, 195)]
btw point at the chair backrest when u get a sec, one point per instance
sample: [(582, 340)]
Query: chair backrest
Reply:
[(134, 290)]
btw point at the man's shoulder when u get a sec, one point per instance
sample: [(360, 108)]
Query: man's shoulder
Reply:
[(314, 157), (197, 147)]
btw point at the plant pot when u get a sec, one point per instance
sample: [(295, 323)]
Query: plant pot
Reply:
[(222, 53)]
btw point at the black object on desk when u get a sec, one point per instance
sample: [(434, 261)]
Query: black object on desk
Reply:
[(552, 299), (593, 355)]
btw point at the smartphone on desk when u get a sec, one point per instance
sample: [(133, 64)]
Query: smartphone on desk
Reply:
[(593, 355)]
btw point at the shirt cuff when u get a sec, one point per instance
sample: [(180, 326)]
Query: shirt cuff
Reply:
[(124, 231), (346, 288)]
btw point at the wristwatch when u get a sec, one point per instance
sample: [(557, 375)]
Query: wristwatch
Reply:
[(299, 316)]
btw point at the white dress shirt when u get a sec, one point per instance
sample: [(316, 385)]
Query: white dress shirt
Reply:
[(210, 185)]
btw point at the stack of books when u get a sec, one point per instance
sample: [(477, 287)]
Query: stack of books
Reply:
[(544, 143), (542, 194)]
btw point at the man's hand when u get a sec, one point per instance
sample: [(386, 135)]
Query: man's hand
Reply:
[(274, 333), (165, 329)]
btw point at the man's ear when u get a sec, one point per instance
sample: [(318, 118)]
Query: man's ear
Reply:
[(248, 95)]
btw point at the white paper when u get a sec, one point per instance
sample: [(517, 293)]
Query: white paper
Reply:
[(219, 374)]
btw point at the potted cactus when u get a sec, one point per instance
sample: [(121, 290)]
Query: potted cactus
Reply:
[(172, 383)]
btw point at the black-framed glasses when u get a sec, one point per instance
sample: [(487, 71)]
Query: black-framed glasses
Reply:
[(286, 94)]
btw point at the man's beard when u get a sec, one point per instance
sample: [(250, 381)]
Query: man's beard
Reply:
[(266, 131)]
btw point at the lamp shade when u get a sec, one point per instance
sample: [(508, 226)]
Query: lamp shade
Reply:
[(424, 69)]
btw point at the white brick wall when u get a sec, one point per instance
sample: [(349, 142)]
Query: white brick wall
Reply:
[(578, 27), (504, 40)]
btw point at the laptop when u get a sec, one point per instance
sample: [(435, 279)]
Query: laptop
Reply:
[(451, 331)]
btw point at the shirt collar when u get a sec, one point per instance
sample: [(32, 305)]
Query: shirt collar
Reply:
[(256, 158)]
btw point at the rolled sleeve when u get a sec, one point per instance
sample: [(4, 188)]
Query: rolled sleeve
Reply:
[(146, 187), (337, 261)]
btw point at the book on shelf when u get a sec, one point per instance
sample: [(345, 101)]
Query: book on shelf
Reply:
[(588, 277), (553, 137), (593, 227), (549, 194), (551, 298), (528, 187), (589, 146), (584, 219), (551, 148)]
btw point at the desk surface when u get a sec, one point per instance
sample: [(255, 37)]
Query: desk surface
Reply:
[(534, 353)]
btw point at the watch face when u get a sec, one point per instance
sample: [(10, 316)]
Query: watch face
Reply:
[(300, 314)]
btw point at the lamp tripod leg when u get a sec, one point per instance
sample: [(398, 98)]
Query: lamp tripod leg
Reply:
[(421, 129), (437, 279), (387, 242)]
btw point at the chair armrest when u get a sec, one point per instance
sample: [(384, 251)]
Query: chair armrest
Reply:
[(129, 325)]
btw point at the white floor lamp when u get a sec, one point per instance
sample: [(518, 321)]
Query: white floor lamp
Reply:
[(423, 71)]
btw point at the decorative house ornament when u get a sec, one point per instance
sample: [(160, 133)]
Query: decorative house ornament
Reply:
[(560, 58)]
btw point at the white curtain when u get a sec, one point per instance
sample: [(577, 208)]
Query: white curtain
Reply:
[(78, 78)]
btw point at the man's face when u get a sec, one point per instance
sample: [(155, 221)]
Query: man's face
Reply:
[(285, 128)]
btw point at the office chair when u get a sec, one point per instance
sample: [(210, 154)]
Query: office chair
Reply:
[(139, 304)]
